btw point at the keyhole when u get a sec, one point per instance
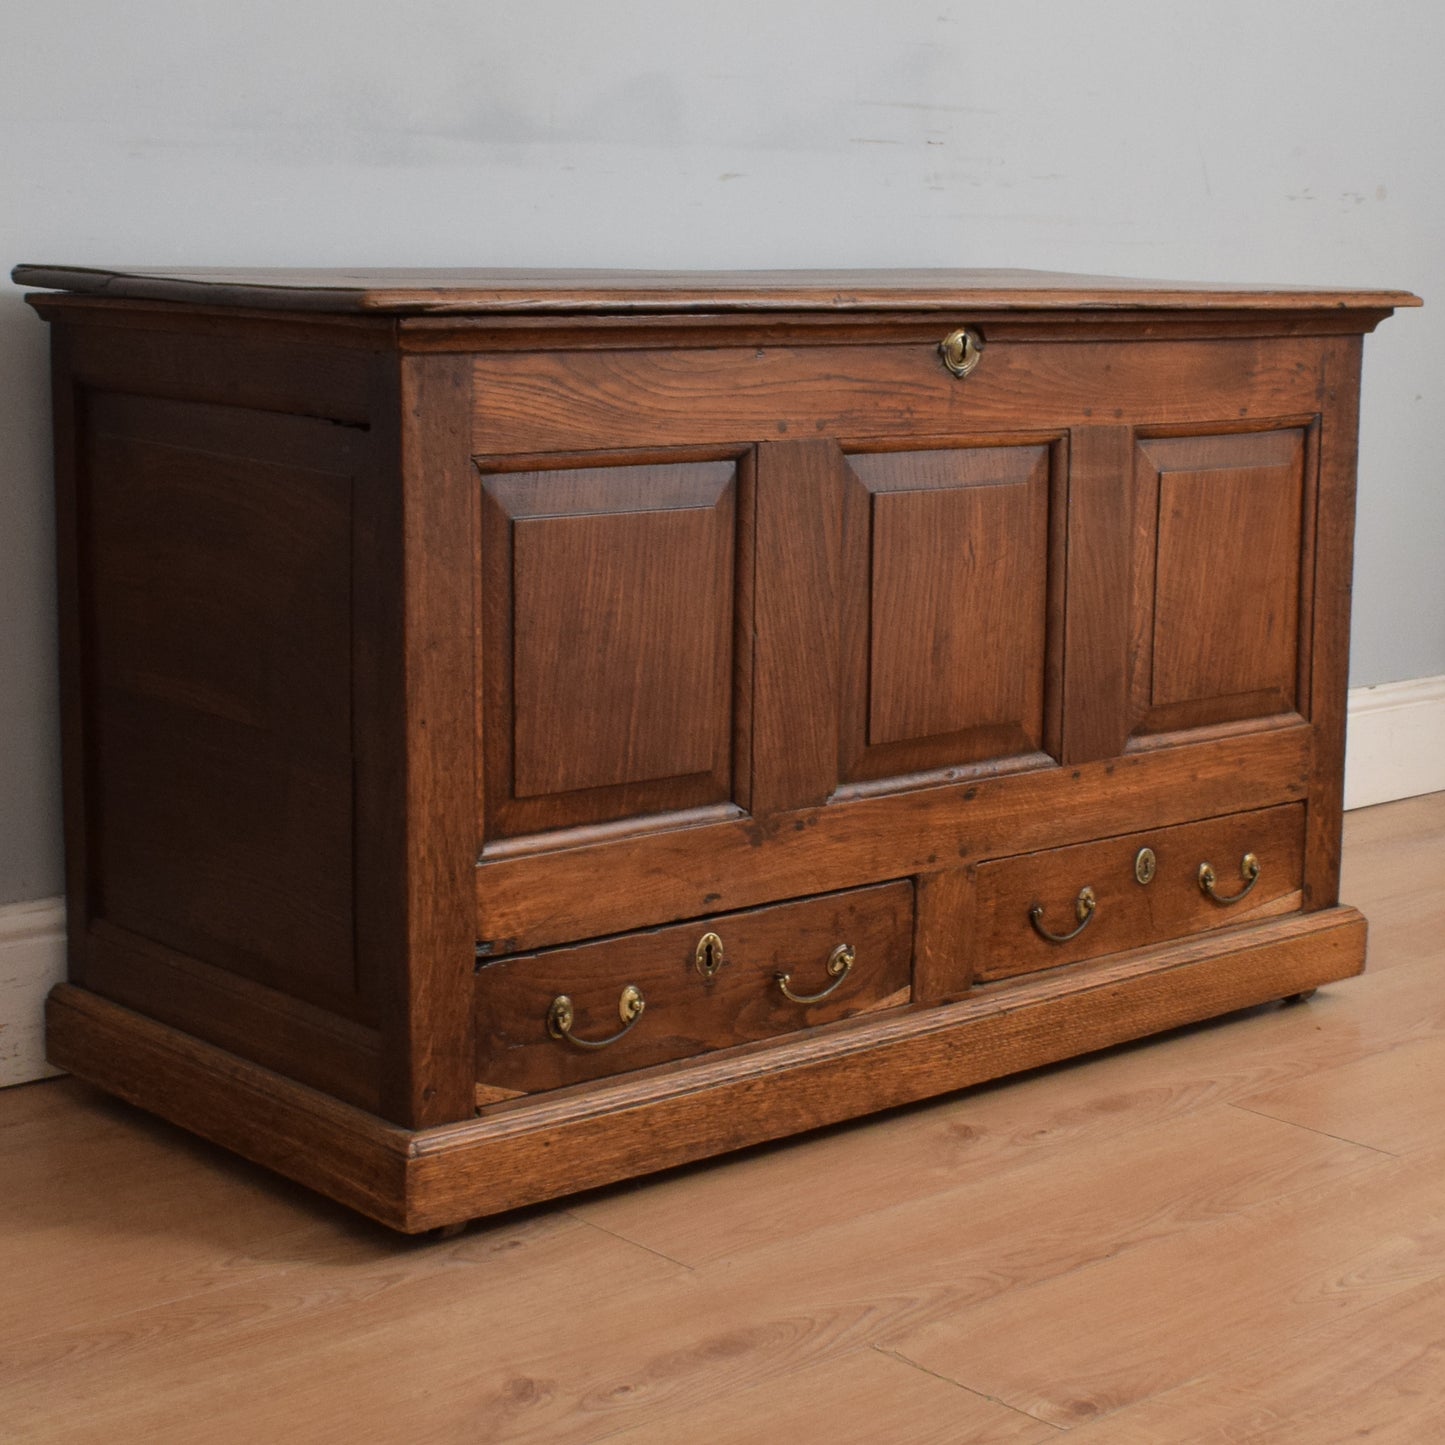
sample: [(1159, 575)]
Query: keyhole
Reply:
[(709, 955)]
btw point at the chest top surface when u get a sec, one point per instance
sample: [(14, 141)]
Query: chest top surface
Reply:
[(513, 291)]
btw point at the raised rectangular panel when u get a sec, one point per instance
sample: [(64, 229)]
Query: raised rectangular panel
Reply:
[(1250, 644), (1220, 578), (219, 541), (614, 635), (947, 626), (608, 617)]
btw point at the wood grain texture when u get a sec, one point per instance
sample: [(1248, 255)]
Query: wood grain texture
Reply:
[(1220, 578), (317, 1046), (614, 645), (155, 1281), (1097, 655), (566, 400), (944, 932), (1375, 1375), (610, 885), (219, 522), (608, 647), (797, 598), (216, 632), (1129, 914), (1254, 647), (946, 611), (1374, 1100), (427, 1026), (242, 364), (1330, 633), (603, 1132), (606, 650), (512, 290), (687, 1013), (1056, 1170), (1183, 1320), (843, 1400), (578, 1138), (318, 1141), (220, 562), (224, 845)]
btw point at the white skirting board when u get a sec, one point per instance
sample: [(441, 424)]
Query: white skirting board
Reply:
[(32, 958), (1395, 749), (1395, 741)]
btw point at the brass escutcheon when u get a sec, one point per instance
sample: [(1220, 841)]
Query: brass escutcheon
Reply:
[(961, 350), (708, 956), (1145, 865)]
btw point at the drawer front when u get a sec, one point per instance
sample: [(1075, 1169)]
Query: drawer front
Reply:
[(1101, 898), (701, 986)]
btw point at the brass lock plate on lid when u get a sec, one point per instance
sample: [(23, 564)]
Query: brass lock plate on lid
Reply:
[(961, 350)]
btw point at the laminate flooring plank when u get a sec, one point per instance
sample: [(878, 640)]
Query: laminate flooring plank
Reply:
[(1055, 1211), (846, 1402), (1108, 1235), (719, 1208), (1378, 1375), (937, 1158), (723, 1208), (1393, 867), (567, 1335), (1153, 1317), (424, 1342), (1393, 1101), (107, 1211)]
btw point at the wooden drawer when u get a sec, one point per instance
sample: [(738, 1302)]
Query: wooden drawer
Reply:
[(691, 1004), (1127, 912)]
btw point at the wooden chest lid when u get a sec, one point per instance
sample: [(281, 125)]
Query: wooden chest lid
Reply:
[(497, 292)]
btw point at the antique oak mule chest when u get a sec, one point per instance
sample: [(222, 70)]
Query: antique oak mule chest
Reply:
[(524, 729)]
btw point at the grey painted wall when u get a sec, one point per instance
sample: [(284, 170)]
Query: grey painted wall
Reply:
[(1301, 141)]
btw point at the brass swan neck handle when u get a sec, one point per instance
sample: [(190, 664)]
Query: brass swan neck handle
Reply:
[(1085, 906), (840, 961), (561, 1016)]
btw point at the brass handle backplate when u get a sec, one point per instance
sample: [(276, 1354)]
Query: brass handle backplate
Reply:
[(839, 962), (1248, 870), (561, 1016), (961, 350), (1084, 906)]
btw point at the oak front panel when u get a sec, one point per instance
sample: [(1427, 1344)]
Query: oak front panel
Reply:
[(1221, 580), (608, 614), (946, 607), (575, 399), (1134, 906), (686, 1009)]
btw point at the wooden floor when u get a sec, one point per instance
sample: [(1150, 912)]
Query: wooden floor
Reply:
[(1235, 1233)]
